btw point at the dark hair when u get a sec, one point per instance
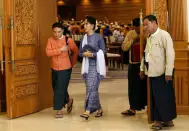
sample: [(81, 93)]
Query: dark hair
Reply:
[(57, 24), (91, 20), (122, 25), (78, 23), (136, 22), (151, 18), (127, 28), (66, 31), (98, 30)]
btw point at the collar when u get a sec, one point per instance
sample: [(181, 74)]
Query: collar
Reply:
[(61, 37), (157, 31)]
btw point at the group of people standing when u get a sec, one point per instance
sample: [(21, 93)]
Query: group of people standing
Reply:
[(157, 64)]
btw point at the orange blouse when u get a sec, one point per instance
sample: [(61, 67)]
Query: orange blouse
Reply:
[(60, 60)]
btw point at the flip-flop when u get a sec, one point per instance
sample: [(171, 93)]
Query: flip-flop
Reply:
[(59, 115), (157, 127), (70, 105), (99, 114), (85, 116)]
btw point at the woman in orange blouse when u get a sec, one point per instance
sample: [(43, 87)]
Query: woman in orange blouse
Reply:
[(61, 66)]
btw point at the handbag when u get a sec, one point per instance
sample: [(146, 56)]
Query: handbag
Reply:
[(88, 48)]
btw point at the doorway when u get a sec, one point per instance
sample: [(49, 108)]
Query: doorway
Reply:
[(67, 12), (2, 74), (2, 93)]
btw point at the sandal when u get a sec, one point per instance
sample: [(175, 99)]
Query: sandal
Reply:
[(157, 126), (85, 116), (168, 124), (128, 113), (99, 114), (70, 105), (59, 115)]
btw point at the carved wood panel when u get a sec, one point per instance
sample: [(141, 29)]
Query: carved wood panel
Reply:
[(26, 90), (26, 72), (25, 21), (26, 78), (26, 69), (161, 12)]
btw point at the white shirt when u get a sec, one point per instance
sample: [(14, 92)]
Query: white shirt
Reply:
[(160, 54)]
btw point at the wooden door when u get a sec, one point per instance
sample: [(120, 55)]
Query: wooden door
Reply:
[(22, 64), (2, 93)]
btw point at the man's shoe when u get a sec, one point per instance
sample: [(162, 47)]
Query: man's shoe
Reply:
[(128, 113)]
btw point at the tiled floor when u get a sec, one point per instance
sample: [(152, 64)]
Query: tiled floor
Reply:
[(114, 100)]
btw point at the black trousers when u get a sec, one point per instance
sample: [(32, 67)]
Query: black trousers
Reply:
[(60, 82), (163, 106)]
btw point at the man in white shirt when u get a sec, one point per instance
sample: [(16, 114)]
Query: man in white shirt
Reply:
[(159, 60)]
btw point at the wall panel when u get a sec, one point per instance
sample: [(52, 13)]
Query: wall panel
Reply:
[(177, 27), (115, 10), (177, 19), (181, 84)]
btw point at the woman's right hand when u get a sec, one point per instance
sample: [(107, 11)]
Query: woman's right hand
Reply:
[(88, 54), (64, 48)]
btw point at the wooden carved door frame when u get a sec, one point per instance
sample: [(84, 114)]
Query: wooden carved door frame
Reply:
[(159, 8)]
